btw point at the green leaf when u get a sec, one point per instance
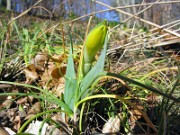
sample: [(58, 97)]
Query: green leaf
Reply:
[(70, 83), (24, 134)]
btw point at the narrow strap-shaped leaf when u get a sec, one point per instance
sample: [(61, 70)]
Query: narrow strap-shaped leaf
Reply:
[(150, 88), (70, 79)]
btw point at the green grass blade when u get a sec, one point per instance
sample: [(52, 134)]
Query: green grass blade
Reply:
[(150, 88), (49, 96), (36, 116), (26, 45), (3, 48), (122, 99)]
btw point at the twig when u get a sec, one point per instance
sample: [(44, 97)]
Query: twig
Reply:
[(23, 13), (122, 7), (141, 11), (130, 44), (138, 18)]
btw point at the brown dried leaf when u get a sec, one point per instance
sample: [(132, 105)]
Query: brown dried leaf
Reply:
[(2, 99), (29, 116), (46, 77), (36, 108), (136, 114), (22, 100), (57, 72), (40, 61), (17, 122), (7, 103), (59, 59), (3, 131), (30, 72), (59, 90)]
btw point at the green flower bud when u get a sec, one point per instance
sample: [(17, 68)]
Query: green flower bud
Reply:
[(94, 42)]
